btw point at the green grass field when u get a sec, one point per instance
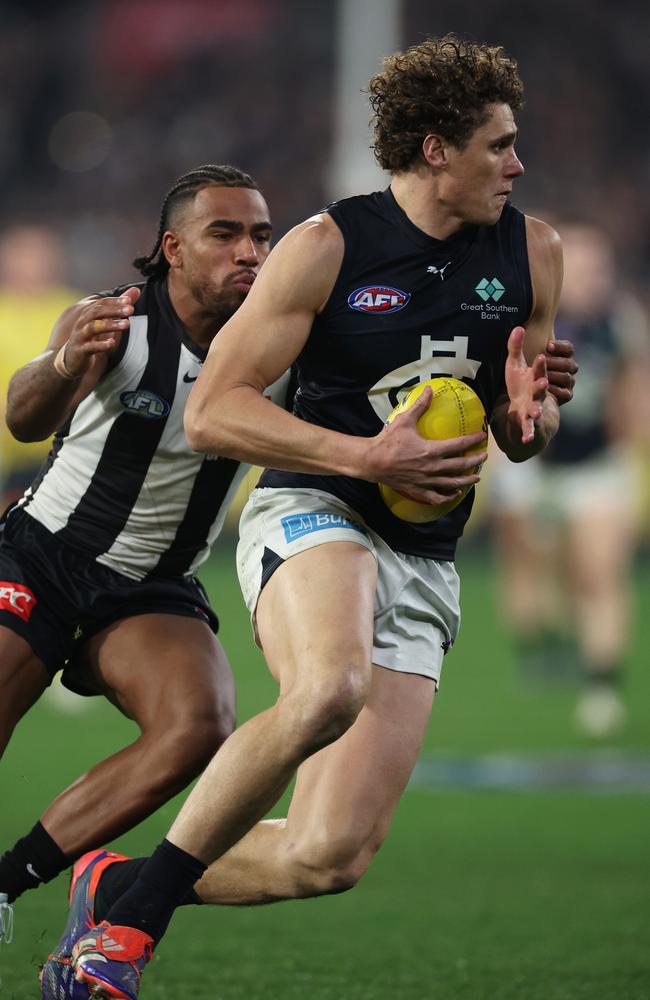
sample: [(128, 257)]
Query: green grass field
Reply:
[(477, 895)]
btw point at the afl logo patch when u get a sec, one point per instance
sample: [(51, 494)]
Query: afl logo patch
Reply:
[(378, 299), (142, 403)]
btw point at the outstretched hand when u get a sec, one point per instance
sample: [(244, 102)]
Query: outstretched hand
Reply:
[(98, 329), (527, 385), (432, 472)]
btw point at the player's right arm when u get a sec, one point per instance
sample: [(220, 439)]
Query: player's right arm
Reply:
[(227, 413), (42, 394)]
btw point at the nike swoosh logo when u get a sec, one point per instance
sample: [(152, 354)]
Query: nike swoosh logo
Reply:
[(33, 873), (188, 378)]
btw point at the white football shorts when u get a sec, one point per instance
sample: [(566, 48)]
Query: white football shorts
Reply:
[(417, 614)]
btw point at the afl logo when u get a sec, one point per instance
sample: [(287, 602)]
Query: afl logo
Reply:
[(378, 299), (142, 403)]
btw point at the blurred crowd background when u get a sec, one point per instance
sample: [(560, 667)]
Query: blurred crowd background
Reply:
[(105, 102)]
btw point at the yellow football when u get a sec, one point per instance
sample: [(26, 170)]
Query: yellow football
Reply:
[(455, 409)]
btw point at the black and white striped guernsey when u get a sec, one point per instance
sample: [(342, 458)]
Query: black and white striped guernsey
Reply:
[(120, 483)]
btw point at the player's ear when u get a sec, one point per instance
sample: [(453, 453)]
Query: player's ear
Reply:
[(171, 248), (434, 152)]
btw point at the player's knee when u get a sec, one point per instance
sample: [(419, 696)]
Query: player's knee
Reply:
[(202, 737), (331, 866), (323, 710), (187, 746)]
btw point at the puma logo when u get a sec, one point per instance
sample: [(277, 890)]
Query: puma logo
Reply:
[(438, 270)]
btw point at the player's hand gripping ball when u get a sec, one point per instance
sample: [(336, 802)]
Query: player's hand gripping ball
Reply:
[(454, 410)]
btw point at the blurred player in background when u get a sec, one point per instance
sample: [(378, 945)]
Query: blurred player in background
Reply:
[(33, 294), (98, 559), (566, 526), (356, 608)]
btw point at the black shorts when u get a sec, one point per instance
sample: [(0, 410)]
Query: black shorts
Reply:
[(56, 598)]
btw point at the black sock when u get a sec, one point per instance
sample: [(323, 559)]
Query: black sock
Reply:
[(34, 859), (119, 877), (164, 880)]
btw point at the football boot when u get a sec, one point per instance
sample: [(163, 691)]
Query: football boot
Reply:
[(57, 976), (110, 958)]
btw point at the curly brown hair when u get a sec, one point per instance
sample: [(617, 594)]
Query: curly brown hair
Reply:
[(442, 86)]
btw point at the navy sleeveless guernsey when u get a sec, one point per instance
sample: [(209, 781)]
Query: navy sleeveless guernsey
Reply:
[(405, 308)]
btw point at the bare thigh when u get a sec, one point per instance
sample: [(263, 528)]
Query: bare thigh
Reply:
[(315, 614), (160, 667), (23, 678), (599, 550)]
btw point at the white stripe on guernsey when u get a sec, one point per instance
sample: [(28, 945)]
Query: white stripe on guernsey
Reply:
[(165, 492), (70, 475)]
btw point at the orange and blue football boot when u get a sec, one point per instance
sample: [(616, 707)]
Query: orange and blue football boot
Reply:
[(57, 978), (58, 981), (110, 958)]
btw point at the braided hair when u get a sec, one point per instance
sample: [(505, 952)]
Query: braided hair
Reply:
[(155, 264)]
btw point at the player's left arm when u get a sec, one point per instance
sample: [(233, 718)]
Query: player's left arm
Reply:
[(526, 418)]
